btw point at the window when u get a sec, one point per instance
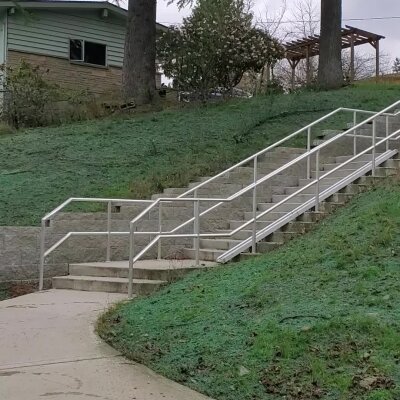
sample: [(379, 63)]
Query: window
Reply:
[(76, 50), (87, 52)]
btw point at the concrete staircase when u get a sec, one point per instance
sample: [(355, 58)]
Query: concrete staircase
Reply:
[(178, 254)]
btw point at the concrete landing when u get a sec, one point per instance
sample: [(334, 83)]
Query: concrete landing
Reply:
[(48, 350), (112, 277)]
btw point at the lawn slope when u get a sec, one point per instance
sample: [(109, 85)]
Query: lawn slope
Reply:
[(140, 155), (317, 319)]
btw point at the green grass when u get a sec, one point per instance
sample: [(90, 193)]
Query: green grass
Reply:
[(4, 292), (319, 318), (137, 156)]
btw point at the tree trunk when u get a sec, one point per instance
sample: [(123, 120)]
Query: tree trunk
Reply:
[(330, 75), (139, 70)]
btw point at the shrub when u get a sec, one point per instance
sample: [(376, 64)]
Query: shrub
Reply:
[(6, 129), (27, 95), (214, 47)]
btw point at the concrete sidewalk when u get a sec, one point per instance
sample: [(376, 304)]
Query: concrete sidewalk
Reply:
[(48, 350)]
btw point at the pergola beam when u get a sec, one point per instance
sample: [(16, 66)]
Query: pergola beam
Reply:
[(304, 49)]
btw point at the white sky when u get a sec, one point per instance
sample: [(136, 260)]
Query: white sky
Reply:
[(351, 9)]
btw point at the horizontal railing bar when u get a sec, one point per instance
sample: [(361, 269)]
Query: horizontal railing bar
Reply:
[(92, 200)]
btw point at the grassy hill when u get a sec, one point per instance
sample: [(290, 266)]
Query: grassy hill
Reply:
[(316, 319), (140, 155)]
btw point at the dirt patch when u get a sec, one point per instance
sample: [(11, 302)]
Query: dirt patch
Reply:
[(298, 386), (9, 290)]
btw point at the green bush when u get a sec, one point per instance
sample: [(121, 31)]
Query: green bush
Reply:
[(27, 95)]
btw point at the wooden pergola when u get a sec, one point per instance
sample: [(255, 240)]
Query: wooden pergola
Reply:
[(304, 49)]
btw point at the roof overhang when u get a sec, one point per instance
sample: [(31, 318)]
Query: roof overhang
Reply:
[(70, 5)]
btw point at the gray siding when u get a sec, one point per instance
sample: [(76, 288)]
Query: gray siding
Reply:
[(3, 17), (48, 33)]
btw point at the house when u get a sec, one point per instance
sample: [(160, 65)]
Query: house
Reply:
[(79, 43)]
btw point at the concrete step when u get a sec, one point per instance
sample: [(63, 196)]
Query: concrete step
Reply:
[(308, 191), (106, 284), (341, 173), (204, 254), (364, 157), (282, 236), (213, 254), (286, 207), (353, 165), (218, 244), (300, 198), (156, 270)]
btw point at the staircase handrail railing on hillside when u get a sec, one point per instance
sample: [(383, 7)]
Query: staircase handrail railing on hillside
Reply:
[(195, 200), (196, 219)]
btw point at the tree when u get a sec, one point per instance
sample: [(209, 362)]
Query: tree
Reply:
[(330, 75), (139, 69), (215, 46), (396, 66)]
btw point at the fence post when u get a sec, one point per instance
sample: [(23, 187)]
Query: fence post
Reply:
[(108, 257), (387, 132), (42, 247), (308, 151), (374, 147), (255, 178), (317, 182), (159, 230), (132, 229), (196, 230), (355, 133)]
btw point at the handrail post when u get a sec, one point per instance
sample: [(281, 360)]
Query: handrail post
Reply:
[(132, 229), (308, 150), (42, 246), (197, 231), (387, 132), (159, 230), (374, 147), (355, 133), (108, 256), (195, 196), (317, 182), (255, 178)]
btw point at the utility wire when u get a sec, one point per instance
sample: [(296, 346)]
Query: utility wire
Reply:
[(308, 21)]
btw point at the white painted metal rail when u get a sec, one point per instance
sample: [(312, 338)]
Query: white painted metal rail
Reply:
[(197, 201)]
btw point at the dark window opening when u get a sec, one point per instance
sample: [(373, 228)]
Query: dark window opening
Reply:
[(88, 52), (76, 50), (95, 53)]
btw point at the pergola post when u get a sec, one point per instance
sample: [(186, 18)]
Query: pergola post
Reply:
[(352, 58), (377, 59), (308, 77), (293, 64)]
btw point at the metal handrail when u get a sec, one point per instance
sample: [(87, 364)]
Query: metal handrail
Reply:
[(195, 200), (46, 220), (253, 187), (311, 202), (279, 170), (247, 243)]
